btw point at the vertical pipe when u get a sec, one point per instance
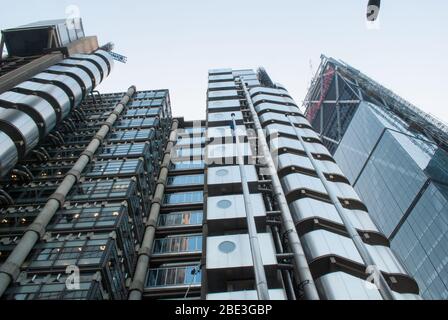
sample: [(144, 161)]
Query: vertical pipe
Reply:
[(260, 275), (144, 254), (304, 277), (11, 267), (383, 287), (285, 273), (338, 107), (321, 110)]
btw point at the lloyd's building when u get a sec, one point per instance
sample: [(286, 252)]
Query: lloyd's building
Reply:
[(108, 196)]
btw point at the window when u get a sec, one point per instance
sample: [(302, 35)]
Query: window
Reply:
[(186, 180), (87, 217), (131, 135), (136, 123), (76, 252), (224, 204), (180, 218), (186, 165), (186, 151), (160, 94), (195, 130), (184, 197), (114, 168), (145, 95), (142, 112), (173, 276), (177, 244), (102, 189), (123, 150)]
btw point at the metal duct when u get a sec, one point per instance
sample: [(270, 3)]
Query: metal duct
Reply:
[(96, 60), (21, 128), (9, 153), (70, 86), (78, 74), (37, 108), (92, 70), (29, 111), (106, 57), (59, 100)]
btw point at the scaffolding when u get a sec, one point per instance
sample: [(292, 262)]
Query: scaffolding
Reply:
[(361, 85)]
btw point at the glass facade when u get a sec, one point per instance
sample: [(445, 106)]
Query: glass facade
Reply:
[(174, 276), (396, 167), (186, 165), (402, 178), (422, 239), (178, 244), (179, 236), (186, 180), (184, 197), (180, 218), (101, 219), (122, 195)]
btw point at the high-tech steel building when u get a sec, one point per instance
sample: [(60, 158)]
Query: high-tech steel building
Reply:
[(108, 196), (396, 157)]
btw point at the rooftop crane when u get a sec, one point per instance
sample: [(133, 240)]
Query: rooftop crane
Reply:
[(117, 57)]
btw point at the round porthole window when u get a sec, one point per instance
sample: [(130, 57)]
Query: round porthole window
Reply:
[(224, 204), (227, 246), (222, 172)]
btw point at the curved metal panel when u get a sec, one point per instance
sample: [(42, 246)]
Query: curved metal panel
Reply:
[(273, 116), (343, 286), (320, 243), (96, 60), (345, 191), (70, 86), (107, 58), (267, 90), (21, 128), (36, 107), (271, 98), (78, 74), (267, 106), (87, 66), (308, 208), (297, 181), (57, 97), (282, 142), (304, 132), (290, 160), (8, 154)]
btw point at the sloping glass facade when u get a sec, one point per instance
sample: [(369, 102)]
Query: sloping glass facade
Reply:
[(397, 163)]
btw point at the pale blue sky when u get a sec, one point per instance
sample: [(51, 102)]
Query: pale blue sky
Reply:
[(172, 43)]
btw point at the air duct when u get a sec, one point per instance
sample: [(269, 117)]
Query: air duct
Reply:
[(30, 110)]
